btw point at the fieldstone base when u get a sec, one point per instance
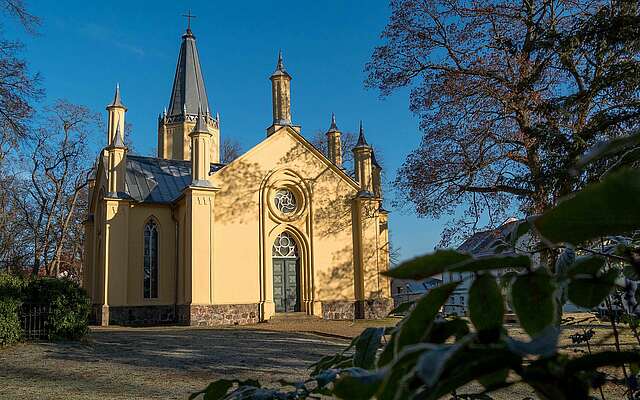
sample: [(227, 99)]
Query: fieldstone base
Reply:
[(99, 315), (377, 308), (338, 310), (364, 309), (142, 315), (218, 314)]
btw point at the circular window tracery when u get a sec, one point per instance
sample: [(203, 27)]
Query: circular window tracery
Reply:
[(285, 201), (285, 246)]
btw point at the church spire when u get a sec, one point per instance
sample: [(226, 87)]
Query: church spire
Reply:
[(362, 142), (188, 85)]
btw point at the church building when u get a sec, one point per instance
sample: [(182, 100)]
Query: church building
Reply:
[(183, 239)]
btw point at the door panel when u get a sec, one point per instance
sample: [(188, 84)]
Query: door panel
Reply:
[(278, 286), (291, 286), (285, 285)]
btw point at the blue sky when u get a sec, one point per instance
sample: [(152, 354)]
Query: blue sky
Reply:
[(85, 47)]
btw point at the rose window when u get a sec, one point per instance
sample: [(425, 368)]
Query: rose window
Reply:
[(285, 201)]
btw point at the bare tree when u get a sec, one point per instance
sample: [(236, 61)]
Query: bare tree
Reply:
[(348, 141), (230, 149), (509, 94), (58, 168), (18, 87)]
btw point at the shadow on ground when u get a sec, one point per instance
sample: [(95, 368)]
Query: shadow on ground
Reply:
[(150, 363)]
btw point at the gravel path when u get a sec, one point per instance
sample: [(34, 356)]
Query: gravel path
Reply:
[(155, 363)]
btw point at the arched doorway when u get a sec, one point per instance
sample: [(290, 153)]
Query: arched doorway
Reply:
[(286, 274)]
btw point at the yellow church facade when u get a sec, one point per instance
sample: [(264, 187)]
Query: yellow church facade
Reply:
[(283, 228)]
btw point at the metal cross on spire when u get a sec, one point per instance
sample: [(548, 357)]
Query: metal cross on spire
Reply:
[(188, 15)]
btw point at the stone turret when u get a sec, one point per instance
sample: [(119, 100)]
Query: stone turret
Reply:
[(334, 144), (116, 149), (200, 152), (362, 153), (115, 116), (280, 96)]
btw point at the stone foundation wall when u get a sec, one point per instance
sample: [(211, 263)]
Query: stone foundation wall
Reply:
[(377, 308), (218, 314), (338, 310), (366, 309), (142, 315)]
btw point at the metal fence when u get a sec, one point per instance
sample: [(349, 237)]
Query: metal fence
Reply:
[(34, 319)]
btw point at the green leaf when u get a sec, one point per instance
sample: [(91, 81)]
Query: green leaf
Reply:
[(401, 368), (432, 363), (588, 292), (609, 148), (533, 300), (215, 391), (586, 265), (491, 263), (357, 384), (471, 364), (389, 349), (441, 330), (486, 306), (416, 324), (428, 265), (366, 347), (609, 207)]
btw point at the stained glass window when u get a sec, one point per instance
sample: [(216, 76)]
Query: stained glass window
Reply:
[(150, 260), (285, 246), (285, 201)]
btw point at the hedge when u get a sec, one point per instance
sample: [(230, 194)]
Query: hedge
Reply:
[(69, 306)]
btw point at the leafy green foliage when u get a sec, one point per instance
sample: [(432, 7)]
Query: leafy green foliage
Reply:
[(590, 214), (10, 330), (427, 355), (428, 265), (486, 305), (532, 296), (70, 307)]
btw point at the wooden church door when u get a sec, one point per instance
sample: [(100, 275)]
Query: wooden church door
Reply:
[(286, 286)]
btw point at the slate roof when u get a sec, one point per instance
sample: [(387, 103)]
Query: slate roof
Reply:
[(188, 85), (157, 180), (484, 243)]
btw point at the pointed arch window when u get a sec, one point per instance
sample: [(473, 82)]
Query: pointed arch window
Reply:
[(151, 260), (285, 246)]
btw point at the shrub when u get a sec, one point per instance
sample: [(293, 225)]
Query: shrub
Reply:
[(10, 330), (70, 306), (69, 312)]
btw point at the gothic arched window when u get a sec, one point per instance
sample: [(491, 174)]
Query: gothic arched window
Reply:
[(150, 260), (285, 246)]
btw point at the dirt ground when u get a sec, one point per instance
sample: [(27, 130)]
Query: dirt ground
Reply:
[(172, 362)]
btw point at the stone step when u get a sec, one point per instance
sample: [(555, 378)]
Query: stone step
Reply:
[(294, 316)]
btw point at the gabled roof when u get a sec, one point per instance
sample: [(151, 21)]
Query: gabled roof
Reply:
[(158, 180), (485, 243), (188, 85)]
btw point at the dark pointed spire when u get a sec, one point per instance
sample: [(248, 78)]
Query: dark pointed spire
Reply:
[(280, 70), (117, 102), (333, 127), (118, 141), (201, 123), (374, 161), (188, 84), (361, 140)]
